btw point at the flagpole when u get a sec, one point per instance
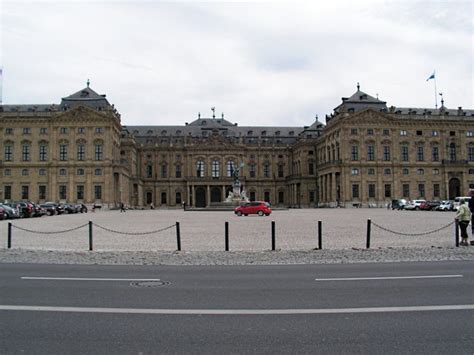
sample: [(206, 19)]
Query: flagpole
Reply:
[(435, 93)]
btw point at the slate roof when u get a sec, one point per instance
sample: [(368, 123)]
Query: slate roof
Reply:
[(87, 97)]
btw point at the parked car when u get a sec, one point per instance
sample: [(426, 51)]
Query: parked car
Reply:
[(50, 208), (414, 205), (3, 214), (445, 206), (429, 205), (26, 209), (255, 207), (16, 208), (399, 204), (10, 212)]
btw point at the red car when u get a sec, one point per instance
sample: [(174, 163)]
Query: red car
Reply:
[(255, 207)]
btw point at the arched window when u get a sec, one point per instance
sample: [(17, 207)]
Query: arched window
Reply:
[(215, 168), (230, 167), (149, 171), (200, 168)]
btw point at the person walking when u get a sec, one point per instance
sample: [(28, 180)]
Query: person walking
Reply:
[(122, 207), (463, 216), (471, 208)]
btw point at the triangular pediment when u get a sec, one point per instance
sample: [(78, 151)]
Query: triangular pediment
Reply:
[(81, 113), (367, 116)]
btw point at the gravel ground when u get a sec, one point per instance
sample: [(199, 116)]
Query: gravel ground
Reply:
[(395, 236)]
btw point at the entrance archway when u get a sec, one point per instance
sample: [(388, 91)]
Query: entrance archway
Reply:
[(200, 197), (454, 188), (216, 194)]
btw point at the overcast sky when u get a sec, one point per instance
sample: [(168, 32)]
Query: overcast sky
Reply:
[(259, 62)]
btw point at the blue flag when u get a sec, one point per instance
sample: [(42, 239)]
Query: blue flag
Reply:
[(432, 76)]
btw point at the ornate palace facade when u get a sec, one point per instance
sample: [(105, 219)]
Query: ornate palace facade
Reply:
[(366, 154)]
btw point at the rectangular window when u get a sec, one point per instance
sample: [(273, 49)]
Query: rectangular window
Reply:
[(62, 192), (81, 130), (419, 133), (26, 152), (62, 152), (8, 130), (8, 153), (177, 199), (252, 171), (7, 172), (370, 132), (470, 134), (280, 171), (178, 171), (353, 131), (7, 192), (470, 153), (421, 190), (404, 153), (43, 130), (354, 153), (386, 153), (406, 190), (98, 172), (43, 153), (63, 130), (311, 168), (266, 196), (312, 195), (81, 152), (355, 191), (386, 132), (42, 192), (25, 192), (371, 188), (435, 133), (80, 192), (436, 190), (388, 190), (403, 132), (266, 170), (98, 192), (420, 153), (164, 171), (26, 130), (42, 172), (435, 153), (98, 152), (370, 153), (99, 130)]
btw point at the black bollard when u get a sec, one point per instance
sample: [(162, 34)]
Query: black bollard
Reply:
[(273, 236), (456, 232), (9, 240), (178, 236), (90, 235), (226, 236), (369, 223), (320, 234)]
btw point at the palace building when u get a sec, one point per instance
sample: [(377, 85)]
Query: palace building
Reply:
[(366, 154)]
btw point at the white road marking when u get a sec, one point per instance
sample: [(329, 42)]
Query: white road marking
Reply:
[(236, 311), (389, 278), (80, 279)]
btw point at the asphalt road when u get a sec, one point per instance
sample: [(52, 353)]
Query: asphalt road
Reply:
[(354, 308)]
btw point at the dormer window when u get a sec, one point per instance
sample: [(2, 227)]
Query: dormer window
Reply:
[(249, 133), (264, 133), (150, 131), (163, 132), (277, 133)]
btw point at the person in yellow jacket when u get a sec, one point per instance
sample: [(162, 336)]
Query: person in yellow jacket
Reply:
[(463, 216)]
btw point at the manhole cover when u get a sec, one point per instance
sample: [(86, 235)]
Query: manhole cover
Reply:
[(154, 283)]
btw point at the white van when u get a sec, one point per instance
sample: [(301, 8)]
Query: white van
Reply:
[(457, 199)]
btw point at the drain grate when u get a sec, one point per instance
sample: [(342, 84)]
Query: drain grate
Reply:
[(154, 283)]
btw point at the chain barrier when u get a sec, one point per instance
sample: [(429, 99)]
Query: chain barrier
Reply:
[(55, 232), (135, 233), (412, 234)]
